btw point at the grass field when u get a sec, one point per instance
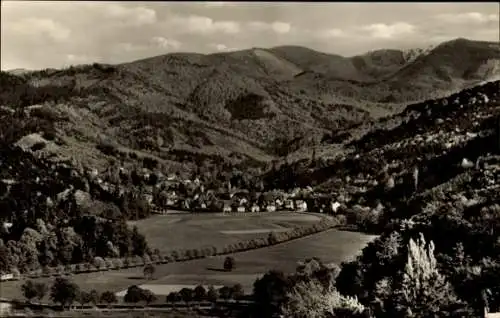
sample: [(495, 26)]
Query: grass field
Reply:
[(331, 246), (174, 232)]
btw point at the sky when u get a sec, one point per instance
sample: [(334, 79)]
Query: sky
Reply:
[(43, 34)]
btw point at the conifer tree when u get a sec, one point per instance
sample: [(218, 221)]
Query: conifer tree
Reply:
[(423, 291)]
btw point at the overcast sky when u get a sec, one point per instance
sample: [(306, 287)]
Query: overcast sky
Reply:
[(44, 34)]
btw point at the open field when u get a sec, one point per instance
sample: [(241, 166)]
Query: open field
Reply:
[(174, 232), (331, 246)]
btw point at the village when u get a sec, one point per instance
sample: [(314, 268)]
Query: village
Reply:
[(172, 194)]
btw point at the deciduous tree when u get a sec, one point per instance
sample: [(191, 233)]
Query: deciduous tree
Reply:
[(64, 291)]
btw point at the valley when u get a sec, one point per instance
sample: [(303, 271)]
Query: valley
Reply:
[(267, 173)]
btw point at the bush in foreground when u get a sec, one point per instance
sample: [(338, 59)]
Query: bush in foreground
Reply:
[(310, 299)]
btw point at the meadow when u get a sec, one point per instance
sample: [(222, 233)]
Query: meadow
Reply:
[(330, 246), (196, 231)]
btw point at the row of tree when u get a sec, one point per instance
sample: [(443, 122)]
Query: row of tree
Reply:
[(119, 255), (66, 293)]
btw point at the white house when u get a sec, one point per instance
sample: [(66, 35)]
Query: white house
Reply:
[(226, 208), (301, 206), (149, 198), (466, 163), (271, 208), (288, 205), (5, 308), (241, 209), (94, 172), (491, 314), (5, 277), (7, 226), (255, 208), (335, 206)]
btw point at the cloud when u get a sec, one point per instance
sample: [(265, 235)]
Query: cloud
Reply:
[(277, 26), (468, 17), (217, 4), (389, 31), (165, 43), (281, 27), (222, 47), (203, 25), (128, 47), (136, 16), (80, 58), (331, 33), (120, 32), (38, 26)]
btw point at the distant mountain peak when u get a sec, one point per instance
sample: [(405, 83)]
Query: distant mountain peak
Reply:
[(412, 54)]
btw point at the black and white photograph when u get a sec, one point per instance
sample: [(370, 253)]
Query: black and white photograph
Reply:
[(202, 159)]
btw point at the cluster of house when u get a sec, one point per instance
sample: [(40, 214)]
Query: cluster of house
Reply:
[(244, 202), (242, 205), (166, 195)]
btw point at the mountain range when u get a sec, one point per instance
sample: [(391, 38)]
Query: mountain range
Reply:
[(249, 106)]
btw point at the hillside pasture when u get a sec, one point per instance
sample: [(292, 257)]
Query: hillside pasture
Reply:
[(196, 231)]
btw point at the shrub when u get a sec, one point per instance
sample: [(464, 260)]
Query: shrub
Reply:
[(215, 250), (109, 264), (70, 268), (79, 268), (229, 263), (29, 291), (237, 291), (88, 267), (155, 258), (212, 294), (173, 297), (149, 271), (64, 291), (93, 268), (196, 253), (60, 269), (272, 238), (138, 261), (186, 294), (225, 293), (199, 293), (107, 148), (126, 262), (118, 263), (99, 262), (108, 297), (37, 272), (46, 270)]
